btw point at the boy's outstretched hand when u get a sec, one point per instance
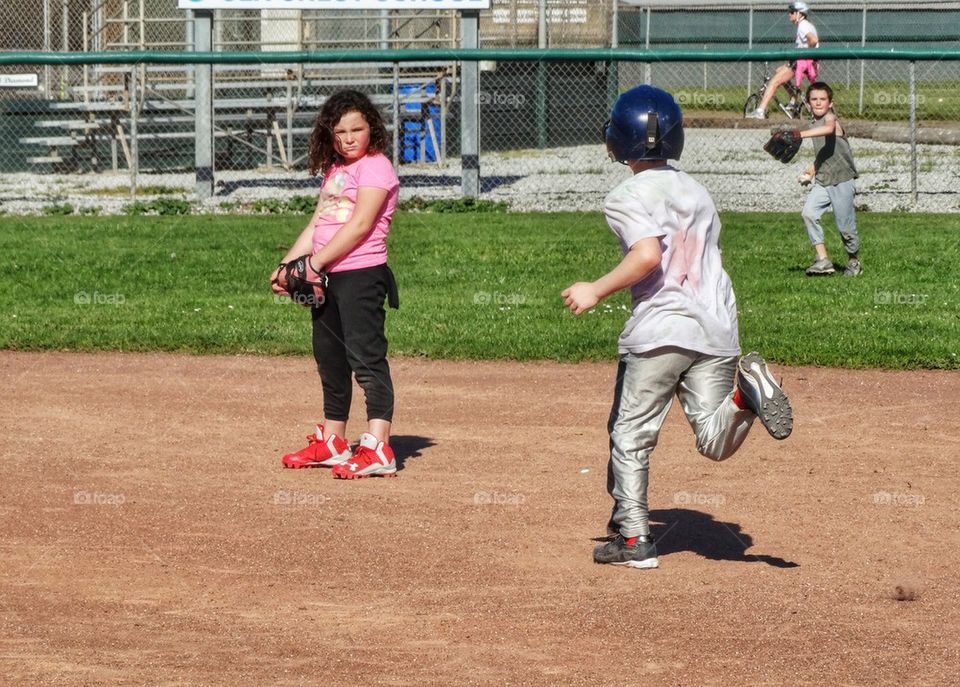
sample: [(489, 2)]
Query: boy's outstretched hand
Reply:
[(580, 297)]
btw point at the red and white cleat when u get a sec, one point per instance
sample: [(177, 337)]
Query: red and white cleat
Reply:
[(372, 458), (320, 452)]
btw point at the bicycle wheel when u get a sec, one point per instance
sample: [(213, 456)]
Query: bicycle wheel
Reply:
[(751, 105)]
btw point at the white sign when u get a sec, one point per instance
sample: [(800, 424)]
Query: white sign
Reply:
[(18, 81), (333, 4)]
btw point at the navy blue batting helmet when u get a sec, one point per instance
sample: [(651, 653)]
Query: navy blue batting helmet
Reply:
[(645, 124)]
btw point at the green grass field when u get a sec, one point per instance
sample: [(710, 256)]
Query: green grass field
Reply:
[(472, 286)]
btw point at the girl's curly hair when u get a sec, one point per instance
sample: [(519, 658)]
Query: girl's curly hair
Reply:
[(323, 153)]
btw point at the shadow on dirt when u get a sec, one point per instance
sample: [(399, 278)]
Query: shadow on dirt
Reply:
[(406, 446), (680, 529)]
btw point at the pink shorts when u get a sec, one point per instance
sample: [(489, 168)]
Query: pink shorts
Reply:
[(806, 68)]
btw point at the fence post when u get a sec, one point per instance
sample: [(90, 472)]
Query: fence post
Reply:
[(863, 42), (613, 76), (542, 24), (46, 48), (134, 145), (291, 157), (469, 107), (65, 38), (646, 44), (541, 101), (913, 132), (397, 124), (541, 105), (750, 47), (203, 106)]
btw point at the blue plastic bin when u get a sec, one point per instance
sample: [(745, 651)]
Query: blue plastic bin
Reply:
[(415, 134)]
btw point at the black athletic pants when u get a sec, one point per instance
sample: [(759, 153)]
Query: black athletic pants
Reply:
[(349, 338)]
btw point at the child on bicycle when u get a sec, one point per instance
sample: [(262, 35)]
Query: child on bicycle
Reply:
[(797, 69)]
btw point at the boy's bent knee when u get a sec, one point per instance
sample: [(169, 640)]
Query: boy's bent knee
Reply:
[(715, 455)]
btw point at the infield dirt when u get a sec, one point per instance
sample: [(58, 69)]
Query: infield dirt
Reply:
[(150, 535)]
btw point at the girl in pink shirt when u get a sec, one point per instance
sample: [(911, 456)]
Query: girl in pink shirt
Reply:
[(346, 237)]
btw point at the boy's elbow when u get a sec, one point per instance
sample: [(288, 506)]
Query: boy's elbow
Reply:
[(644, 267), (644, 257)]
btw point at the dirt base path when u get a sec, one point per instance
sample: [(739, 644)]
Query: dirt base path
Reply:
[(150, 536)]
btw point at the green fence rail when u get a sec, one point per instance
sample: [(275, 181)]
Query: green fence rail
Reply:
[(475, 54), (535, 117)]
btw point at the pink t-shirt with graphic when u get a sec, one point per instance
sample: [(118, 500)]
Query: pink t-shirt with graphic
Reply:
[(338, 197)]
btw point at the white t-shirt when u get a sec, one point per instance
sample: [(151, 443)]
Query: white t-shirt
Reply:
[(803, 29), (688, 301)]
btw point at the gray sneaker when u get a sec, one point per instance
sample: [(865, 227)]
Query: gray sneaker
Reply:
[(763, 396), (756, 114), (853, 268), (821, 266), (642, 554)]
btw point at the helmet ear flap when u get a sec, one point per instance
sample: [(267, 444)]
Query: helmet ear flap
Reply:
[(653, 130)]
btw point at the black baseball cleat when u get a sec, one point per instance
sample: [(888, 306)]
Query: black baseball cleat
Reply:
[(641, 554), (763, 396)]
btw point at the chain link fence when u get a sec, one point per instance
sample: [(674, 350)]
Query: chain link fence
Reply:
[(90, 136)]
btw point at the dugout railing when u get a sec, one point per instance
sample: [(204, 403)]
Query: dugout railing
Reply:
[(539, 113)]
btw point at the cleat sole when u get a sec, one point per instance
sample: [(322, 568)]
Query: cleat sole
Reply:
[(777, 417), (351, 475), (647, 564)]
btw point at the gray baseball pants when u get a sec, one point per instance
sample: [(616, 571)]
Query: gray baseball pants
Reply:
[(840, 198), (646, 384)]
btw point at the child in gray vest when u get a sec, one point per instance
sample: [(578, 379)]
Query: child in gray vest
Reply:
[(832, 174)]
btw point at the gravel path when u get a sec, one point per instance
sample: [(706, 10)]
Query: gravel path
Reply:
[(730, 162)]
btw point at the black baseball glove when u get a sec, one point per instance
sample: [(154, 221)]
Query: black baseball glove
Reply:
[(305, 285), (784, 144)]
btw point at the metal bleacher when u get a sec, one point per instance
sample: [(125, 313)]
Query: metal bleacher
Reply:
[(263, 114)]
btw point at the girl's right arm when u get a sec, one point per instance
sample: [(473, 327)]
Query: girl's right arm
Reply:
[(302, 246)]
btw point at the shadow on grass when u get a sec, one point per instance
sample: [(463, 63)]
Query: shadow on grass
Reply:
[(225, 188)]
